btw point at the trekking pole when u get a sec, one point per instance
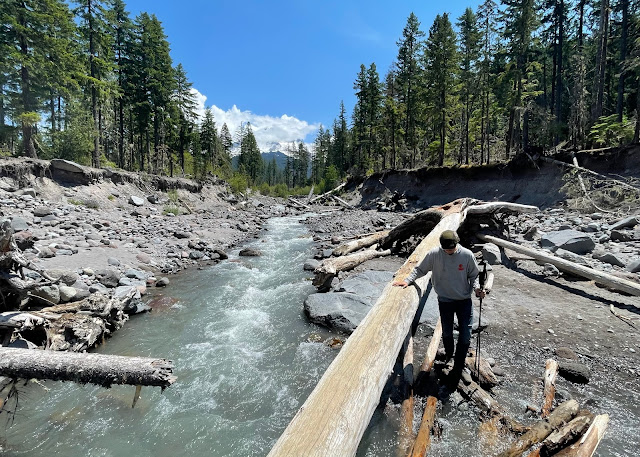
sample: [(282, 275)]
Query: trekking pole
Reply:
[(482, 278)]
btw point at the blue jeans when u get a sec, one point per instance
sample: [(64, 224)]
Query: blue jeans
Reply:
[(463, 309)]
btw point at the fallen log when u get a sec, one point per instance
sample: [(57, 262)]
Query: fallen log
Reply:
[(19, 320), (334, 417), (485, 376), (326, 194), (360, 243), (542, 429), (99, 369), (298, 204), (331, 267), (575, 166), (423, 439), (566, 435), (342, 202), (589, 441), (488, 405), (550, 375), (432, 349), (406, 416), (605, 279)]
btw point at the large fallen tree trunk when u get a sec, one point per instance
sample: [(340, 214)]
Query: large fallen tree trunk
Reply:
[(335, 415), (100, 369), (356, 245), (560, 416), (598, 276), (326, 194)]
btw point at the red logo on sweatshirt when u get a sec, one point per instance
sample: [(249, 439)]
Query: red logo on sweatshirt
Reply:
[(460, 267)]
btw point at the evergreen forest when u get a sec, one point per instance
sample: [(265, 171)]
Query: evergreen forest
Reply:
[(83, 81)]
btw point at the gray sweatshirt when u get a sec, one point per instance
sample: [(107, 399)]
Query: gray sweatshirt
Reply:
[(454, 277)]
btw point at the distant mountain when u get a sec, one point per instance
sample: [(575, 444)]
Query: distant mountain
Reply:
[(281, 159)]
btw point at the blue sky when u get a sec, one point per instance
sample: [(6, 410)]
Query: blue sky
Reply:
[(284, 65)]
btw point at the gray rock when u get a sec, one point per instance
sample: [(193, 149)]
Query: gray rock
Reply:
[(341, 311), (181, 235), (46, 294), (121, 292), (162, 282), (21, 343), (19, 224), (136, 274), (24, 239), (136, 201), (574, 372), (66, 165), (570, 240), (67, 293), (66, 277), (609, 258), (619, 235), (108, 277), (29, 191), (634, 266), (50, 218), (196, 255), (628, 222), (249, 252), (98, 288), (81, 294), (566, 353), (42, 211), (491, 253), (311, 264), (113, 261), (46, 252), (531, 233), (64, 252), (368, 284)]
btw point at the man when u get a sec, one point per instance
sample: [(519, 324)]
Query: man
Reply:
[(454, 275)]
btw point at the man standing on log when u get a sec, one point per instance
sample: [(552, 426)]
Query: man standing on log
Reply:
[(454, 275)]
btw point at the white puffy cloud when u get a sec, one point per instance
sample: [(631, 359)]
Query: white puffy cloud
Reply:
[(272, 133)]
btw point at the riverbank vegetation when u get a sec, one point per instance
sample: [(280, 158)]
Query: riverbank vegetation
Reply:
[(510, 77)]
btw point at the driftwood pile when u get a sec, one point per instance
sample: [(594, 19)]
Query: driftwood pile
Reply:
[(49, 342)]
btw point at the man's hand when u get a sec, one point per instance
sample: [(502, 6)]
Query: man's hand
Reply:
[(480, 293), (402, 284)]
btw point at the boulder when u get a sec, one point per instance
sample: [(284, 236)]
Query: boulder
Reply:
[(136, 201), (570, 240), (66, 277), (340, 311), (491, 253), (610, 258), (310, 264), (143, 258), (19, 224), (621, 235), (108, 277), (634, 266), (42, 211), (162, 282), (46, 295), (249, 252), (574, 372), (24, 239), (628, 222), (136, 274), (67, 293), (181, 235)]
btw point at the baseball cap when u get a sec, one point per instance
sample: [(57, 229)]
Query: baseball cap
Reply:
[(449, 239)]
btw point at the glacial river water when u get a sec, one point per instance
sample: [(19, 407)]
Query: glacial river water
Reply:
[(245, 363)]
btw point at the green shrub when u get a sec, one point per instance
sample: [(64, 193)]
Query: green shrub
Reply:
[(169, 209)]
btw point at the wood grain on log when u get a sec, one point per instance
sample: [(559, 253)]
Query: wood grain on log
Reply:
[(423, 439), (598, 276), (566, 435), (99, 369), (589, 441), (550, 375), (330, 267), (485, 377), (406, 417)]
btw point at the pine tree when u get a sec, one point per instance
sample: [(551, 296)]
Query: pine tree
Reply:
[(250, 160), (185, 100), (487, 13), (407, 79), (469, 53), (374, 101), (441, 63), (391, 122)]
